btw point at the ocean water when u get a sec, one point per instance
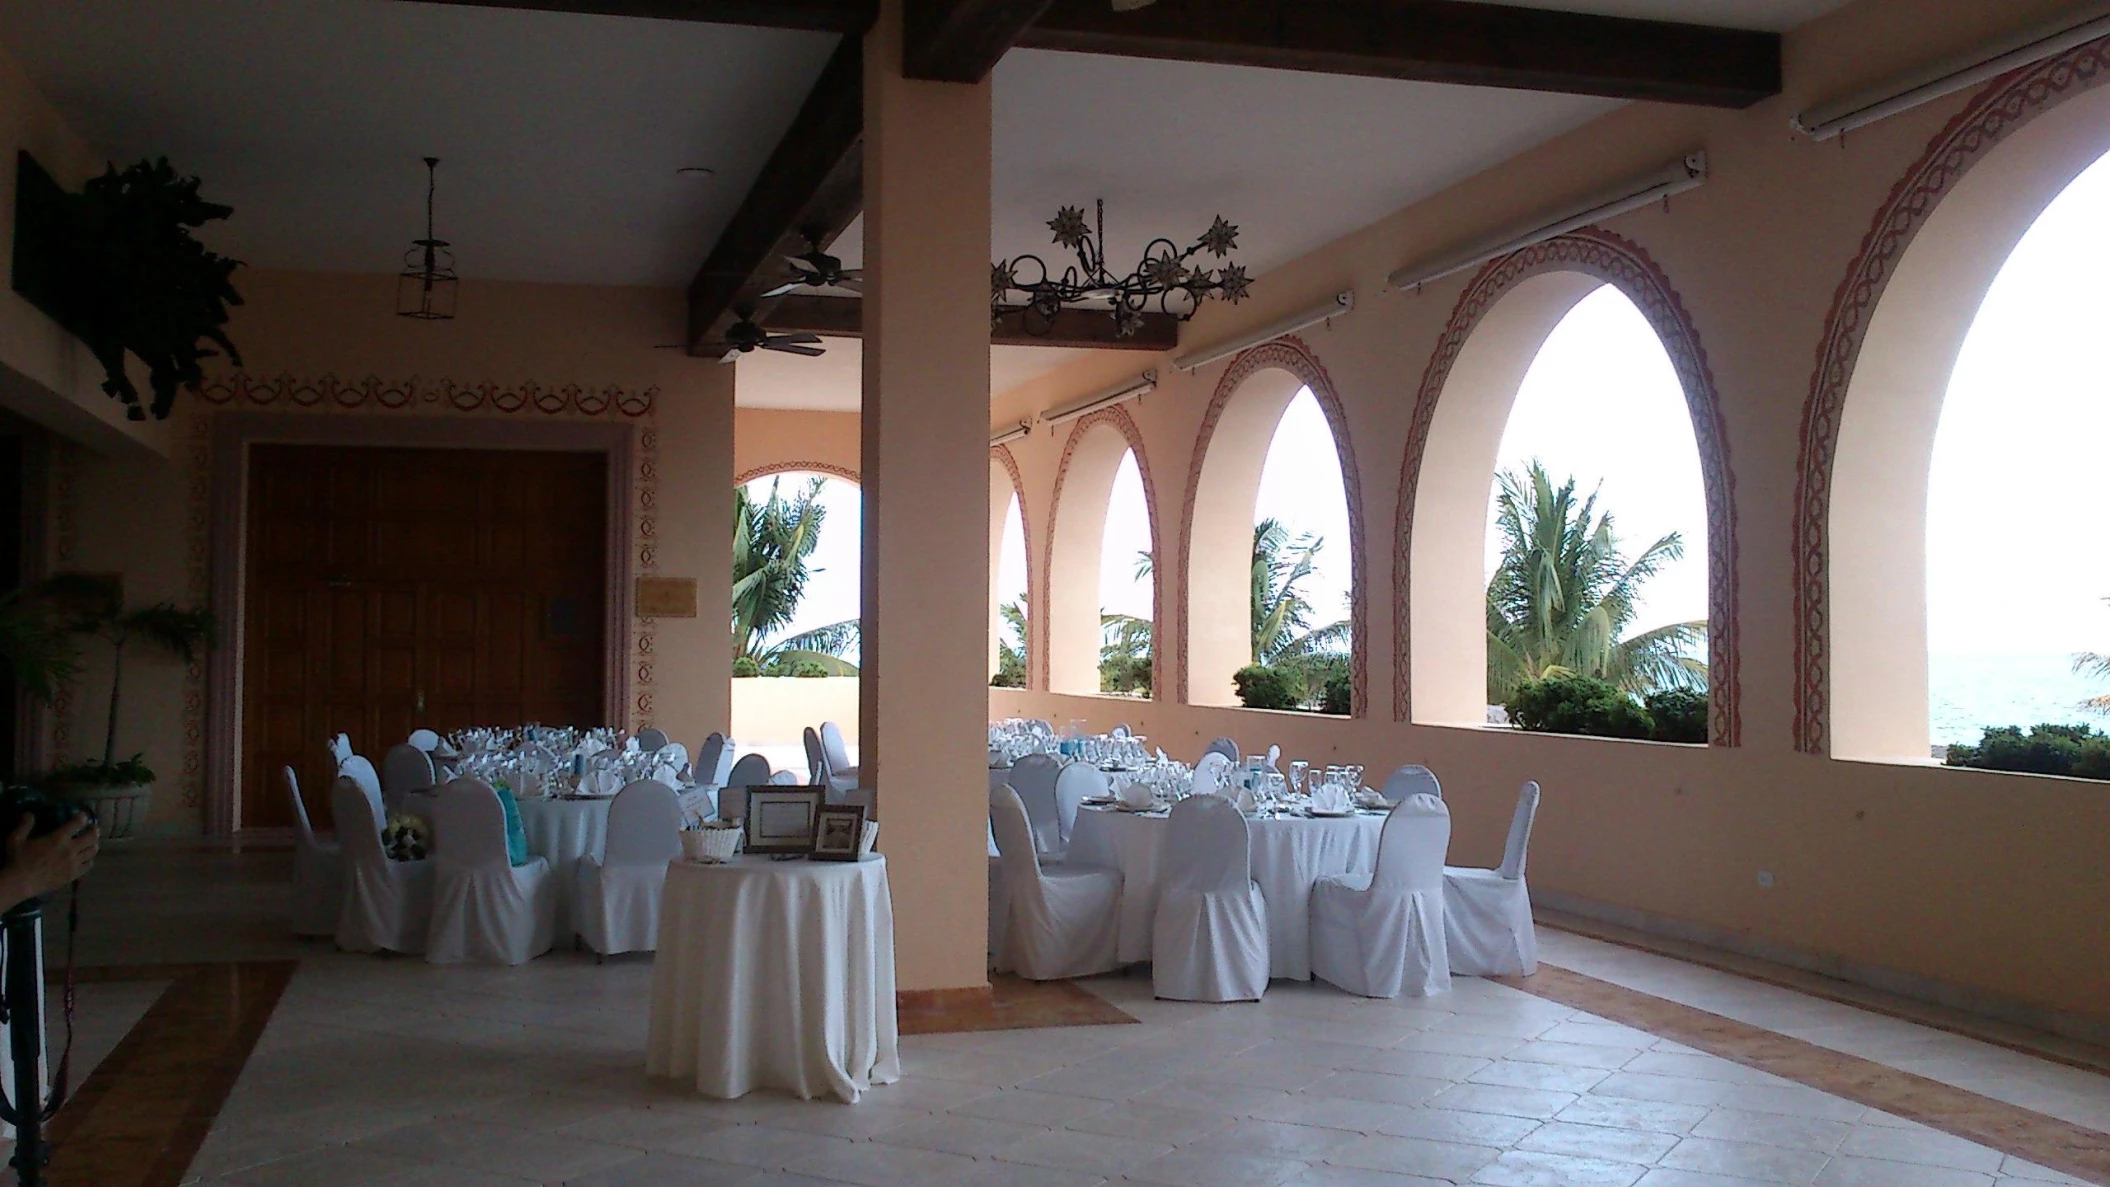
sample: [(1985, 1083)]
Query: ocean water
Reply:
[(1967, 693)]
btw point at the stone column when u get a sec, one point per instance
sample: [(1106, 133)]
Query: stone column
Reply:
[(926, 505)]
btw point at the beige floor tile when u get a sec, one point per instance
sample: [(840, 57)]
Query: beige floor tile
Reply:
[(873, 1165), (1192, 1167), (1552, 1077), (1377, 1086), (1597, 1141), (1461, 1128), (1774, 1129), (1155, 1123), (1921, 1146), (1748, 1160), (1099, 1154), (1622, 1113), (953, 1133), (1514, 1102), (1524, 1168), (1415, 1156), (1355, 1176), (1878, 1172)]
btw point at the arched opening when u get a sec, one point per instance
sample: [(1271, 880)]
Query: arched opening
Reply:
[(1495, 336), (1272, 556), (1010, 585), (1870, 435), (1101, 573), (797, 556)]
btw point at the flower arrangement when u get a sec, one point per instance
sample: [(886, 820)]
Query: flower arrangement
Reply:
[(406, 838)]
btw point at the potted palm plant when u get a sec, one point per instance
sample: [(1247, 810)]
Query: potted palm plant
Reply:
[(93, 608)]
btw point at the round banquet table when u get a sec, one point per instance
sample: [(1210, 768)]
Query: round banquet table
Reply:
[(775, 975), (1289, 853)]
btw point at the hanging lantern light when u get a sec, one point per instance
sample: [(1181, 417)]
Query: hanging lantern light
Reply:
[(426, 287)]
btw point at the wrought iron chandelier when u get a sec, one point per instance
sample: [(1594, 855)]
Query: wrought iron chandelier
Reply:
[(426, 287), (1166, 277)]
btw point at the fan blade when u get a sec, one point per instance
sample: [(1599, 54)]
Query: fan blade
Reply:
[(802, 265), (851, 284), (730, 357), (851, 274), (811, 352), (789, 339), (782, 289)]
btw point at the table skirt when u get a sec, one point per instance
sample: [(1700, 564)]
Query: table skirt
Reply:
[(775, 975), (1288, 854)]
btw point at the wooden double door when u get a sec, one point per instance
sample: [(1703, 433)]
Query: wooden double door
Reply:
[(392, 589)]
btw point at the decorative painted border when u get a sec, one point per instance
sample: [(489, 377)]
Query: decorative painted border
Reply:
[(644, 632), (833, 471), (1123, 423), (1998, 111), (1002, 453), (328, 393), (1294, 355), (1621, 262)]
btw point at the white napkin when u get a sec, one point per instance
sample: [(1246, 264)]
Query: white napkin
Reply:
[(1135, 795), (1245, 801), (1330, 798)]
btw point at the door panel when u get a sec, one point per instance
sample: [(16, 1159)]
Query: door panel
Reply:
[(391, 589)]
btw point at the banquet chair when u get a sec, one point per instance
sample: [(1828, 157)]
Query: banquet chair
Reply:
[(785, 779), (1224, 746), (650, 739), (1208, 940), (1487, 913), (1077, 783), (1380, 934), (1274, 759), (318, 872), (1210, 772), (1409, 781), (841, 771), (1033, 778), (424, 739), (618, 893), (714, 760), (1060, 921), (670, 764), (340, 748), (1120, 731), (404, 769), (360, 769), (816, 758), (387, 904), (751, 771), (484, 908)]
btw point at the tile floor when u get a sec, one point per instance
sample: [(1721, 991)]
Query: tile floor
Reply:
[(376, 1071)]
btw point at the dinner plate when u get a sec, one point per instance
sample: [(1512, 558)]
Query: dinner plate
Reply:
[(1331, 815), (1099, 801)]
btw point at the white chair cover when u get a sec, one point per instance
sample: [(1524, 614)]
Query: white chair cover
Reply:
[(1487, 913), (714, 761), (1210, 771), (340, 748), (387, 904), (650, 739), (618, 904), (1411, 780), (424, 739), (318, 872), (1060, 921), (1381, 934), (1033, 778), (360, 770), (670, 763), (786, 779), (1120, 731), (842, 774), (1274, 759), (751, 771), (484, 908), (816, 758), (1224, 746), (1209, 939), (1077, 783), (403, 770)]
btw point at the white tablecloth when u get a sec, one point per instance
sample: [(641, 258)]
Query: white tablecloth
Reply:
[(775, 975), (1289, 854)]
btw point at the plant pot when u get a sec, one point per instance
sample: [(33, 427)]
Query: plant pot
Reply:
[(118, 808)]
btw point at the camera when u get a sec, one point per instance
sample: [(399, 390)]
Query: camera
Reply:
[(50, 812)]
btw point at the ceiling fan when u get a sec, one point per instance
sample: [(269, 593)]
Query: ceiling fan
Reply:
[(745, 337), (817, 269)]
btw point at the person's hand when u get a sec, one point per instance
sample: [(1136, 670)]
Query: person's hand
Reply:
[(40, 865)]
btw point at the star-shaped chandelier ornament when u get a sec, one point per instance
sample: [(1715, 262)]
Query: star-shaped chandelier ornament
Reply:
[(1167, 277)]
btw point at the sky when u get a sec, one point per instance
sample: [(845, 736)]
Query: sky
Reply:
[(832, 593)]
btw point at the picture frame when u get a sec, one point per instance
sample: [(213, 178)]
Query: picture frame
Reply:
[(781, 820), (838, 833)]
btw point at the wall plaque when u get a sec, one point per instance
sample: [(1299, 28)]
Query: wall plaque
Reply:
[(666, 597)]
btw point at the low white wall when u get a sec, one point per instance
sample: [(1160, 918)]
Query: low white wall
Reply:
[(775, 710)]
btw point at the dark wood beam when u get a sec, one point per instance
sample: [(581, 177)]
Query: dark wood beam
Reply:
[(961, 40), (812, 185), (1449, 41), (842, 317), (850, 17)]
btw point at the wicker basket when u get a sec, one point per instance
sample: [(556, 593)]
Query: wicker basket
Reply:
[(710, 844)]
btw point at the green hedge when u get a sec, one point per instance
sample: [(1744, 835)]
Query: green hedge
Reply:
[(1267, 688), (2075, 750), (1597, 708)]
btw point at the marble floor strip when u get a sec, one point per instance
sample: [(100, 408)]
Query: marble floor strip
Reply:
[(1016, 1004)]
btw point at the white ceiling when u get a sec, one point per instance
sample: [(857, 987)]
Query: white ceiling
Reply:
[(832, 382), (560, 136)]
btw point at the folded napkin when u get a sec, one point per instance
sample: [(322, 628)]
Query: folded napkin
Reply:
[(1245, 801), (1331, 799), (1135, 795)]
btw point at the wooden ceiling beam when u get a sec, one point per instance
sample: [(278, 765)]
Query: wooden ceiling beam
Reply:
[(1447, 41), (812, 185), (1088, 329), (961, 40), (849, 17)]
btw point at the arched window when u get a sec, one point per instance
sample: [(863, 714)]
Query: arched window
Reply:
[(1010, 593), (1272, 555), (1101, 574), (797, 554), (1627, 352)]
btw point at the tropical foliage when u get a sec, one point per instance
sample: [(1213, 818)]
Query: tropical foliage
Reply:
[(1011, 647), (1572, 704), (1309, 659), (773, 543), (2075, 750), (92, 607), (1563, 596), (2091, 663), (1124, 654)]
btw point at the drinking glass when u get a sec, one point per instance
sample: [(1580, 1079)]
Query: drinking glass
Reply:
[(1297, 767)]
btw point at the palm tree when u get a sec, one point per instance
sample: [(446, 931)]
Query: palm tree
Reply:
[(1011, 646), (1124, 653), (1563, 596), (2091, 663), (1280, 611), (773, 542)]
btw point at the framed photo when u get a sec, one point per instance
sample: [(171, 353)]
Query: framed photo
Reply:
[(780, 820), (839, 836)]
